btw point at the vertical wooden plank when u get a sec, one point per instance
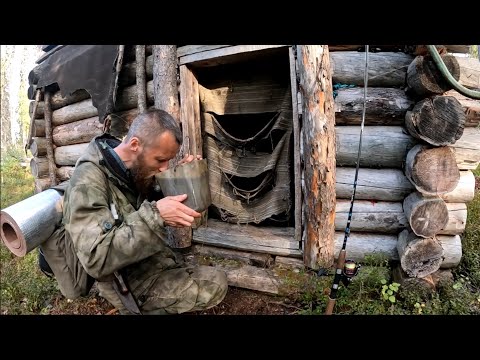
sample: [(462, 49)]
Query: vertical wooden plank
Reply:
[(165, 93), (190, 111), (296, 147), (190, 120), (319, 154)]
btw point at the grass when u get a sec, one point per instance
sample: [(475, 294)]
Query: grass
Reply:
[(25, 290)]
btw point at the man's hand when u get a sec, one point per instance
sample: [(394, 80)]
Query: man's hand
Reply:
[(189, 158), (174, 213)]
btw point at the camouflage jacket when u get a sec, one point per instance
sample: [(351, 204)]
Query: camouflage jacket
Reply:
[(105, 243)]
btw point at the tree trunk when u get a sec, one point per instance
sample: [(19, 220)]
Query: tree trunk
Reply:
[(127, 99), (65, 172), (140, 77), (385, 69), (382, 146), (464, 191), (452, 246), (426, 215), (371, 216), (373, 184), (319, 144), (469, 72), (467, 149), (39, 167), (423, 286), (39, 128), (385, 106), (419, 257), (166, 98), (433, 171), (128, 75), (59, 101), (471, 108), (39, 146), (81, 131), (69, 154), (457, 219), (424, 79), (363, 245), (438, 120)]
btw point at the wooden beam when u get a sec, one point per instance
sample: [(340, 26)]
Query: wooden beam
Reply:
[(194, 49), (205, 57), (270, 240), (319, 147), (296, 147)]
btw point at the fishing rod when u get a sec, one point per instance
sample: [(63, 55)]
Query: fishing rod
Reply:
[(347, 269)]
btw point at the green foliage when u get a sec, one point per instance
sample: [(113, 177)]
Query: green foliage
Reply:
[(17, 182), (389, 291)]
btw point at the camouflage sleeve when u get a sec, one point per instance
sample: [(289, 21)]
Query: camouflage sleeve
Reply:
[(102, 246)]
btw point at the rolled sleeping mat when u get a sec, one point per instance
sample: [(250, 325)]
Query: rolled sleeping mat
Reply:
[(28, 223)]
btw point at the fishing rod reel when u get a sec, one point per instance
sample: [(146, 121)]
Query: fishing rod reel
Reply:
[(350, 270)]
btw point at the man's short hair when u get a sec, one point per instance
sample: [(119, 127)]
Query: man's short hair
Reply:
[(152, 123)]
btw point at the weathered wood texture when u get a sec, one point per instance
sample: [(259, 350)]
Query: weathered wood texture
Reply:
[(288, 262), (396, 48), (141, 78), (426, 215), (419, 257), (224, 55), (457, 219), (371, 216), (385, 106), (385, 69), (319, 144), (59, 101), (464, 191), (438, 120), (77, 132), (423, 286), (360, 245), (126, 99), (452, 246), (190, 112), (39, 169), (382, 146), (249, 258), (65, 172), (41, 185), (253, 278), (373, 184), (128, 75), (424, 79), (166, 97), (39, 128), (467, 149), (433, 171), (471, 108), (469, 72), (69, 154), (39, 146), (270, 240), (194, 49), (48, 138)]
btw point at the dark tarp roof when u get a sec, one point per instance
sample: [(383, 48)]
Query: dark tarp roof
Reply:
[(74, 67)]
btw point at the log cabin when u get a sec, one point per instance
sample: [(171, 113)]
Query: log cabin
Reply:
[(280, 128)]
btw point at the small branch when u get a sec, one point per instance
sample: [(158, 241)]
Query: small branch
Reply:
[(52, 168), (141, 78)]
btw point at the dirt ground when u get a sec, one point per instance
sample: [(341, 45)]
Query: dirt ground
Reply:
[(238, 301)]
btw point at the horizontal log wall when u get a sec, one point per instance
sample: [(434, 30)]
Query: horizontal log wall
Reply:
[(382, 185)]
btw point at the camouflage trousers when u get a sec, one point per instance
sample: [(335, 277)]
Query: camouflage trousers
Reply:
[(163, 284)]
